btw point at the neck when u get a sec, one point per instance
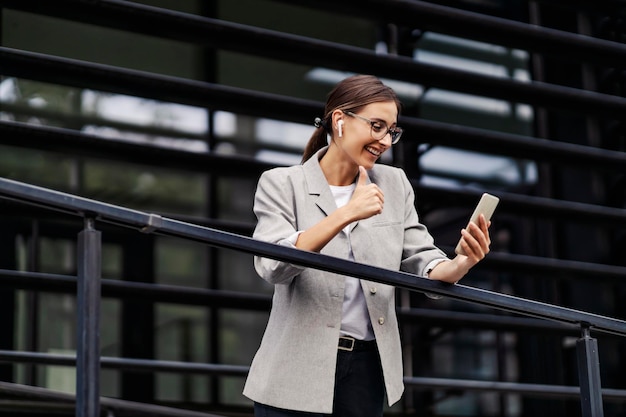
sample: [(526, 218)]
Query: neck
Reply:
[(338, 171)]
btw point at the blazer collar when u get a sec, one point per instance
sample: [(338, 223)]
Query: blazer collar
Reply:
[(317, 184)]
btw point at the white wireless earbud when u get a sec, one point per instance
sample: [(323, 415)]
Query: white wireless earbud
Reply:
[(340, 127)]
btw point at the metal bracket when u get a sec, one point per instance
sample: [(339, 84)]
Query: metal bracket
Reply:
[(154, 222)]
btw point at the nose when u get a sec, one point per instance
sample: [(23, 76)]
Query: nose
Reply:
[(386, 140)]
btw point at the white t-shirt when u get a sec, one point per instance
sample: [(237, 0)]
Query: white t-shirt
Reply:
[(355, 321)]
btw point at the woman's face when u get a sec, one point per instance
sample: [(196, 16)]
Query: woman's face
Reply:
[(357, 142)]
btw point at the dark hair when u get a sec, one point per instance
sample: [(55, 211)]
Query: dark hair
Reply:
[(350, 94)]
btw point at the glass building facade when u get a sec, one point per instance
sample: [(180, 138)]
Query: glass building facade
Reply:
[(45, 321)]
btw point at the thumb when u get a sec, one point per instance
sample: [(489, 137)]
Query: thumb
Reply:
[(363, 177)]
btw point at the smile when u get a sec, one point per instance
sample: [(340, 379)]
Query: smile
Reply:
[(373, 151)]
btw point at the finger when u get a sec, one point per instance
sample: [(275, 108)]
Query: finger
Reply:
[(485, 239), (477, 229), (378, 193), (481, 239), (481, 220), (363, 177), (466, 249), (473, 242), (478, 232), (484, 223)]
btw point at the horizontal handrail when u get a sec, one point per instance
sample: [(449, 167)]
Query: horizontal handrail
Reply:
[(151, 223), (130, 364), (151, 365), (540, 390), (540, 267), (113, 404), (66, 284), (131, 289), (173, 294)]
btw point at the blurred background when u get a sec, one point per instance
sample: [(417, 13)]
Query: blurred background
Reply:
[(176, 108)]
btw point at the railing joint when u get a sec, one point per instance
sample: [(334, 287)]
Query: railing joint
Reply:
[(585, 330), (155, 222), (90, 223)]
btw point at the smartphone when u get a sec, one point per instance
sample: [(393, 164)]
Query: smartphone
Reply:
[(486, 206)]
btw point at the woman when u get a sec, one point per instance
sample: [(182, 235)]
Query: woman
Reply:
[(332, 344)]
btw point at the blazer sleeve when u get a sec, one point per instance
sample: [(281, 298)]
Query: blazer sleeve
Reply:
[(419, 250), (274, 207)]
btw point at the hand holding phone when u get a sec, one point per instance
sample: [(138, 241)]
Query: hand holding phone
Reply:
[(486, 206)]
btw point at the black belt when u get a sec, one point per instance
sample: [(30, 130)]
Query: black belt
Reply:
[(351, 344)]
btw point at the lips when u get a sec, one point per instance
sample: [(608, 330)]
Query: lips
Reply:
[(373, 151)]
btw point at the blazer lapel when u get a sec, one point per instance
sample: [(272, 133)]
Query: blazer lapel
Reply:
[(317, 184), (368, 181)]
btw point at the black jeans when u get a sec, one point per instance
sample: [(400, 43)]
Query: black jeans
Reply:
[(359, 388)]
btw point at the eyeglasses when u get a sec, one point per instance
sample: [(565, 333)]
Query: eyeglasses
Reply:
[(379, 129)]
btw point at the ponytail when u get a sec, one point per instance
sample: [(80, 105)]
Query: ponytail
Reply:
[(318, 139)]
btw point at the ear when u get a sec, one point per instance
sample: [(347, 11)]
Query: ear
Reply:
[(337, 121)]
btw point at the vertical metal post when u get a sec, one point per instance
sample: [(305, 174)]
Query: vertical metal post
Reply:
[(88, 312), (589, 374)]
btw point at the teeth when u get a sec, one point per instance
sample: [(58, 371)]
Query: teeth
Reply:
[(374, 151)]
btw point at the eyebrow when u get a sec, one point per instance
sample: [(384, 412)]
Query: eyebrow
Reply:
[(378, 119)]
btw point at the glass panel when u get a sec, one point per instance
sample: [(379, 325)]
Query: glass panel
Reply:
[(181, 335), (240, 336), (154, 122), (71, 39), (111, 320), (182, 332), (472, 355), (57, 318), (145, 188), (35, 167), (446, 166), (180, 262)]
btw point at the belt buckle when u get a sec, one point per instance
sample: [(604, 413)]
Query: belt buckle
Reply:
[(349, 349)]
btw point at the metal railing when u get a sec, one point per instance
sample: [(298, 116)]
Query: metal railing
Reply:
[(48, 400), (223, 35), (89, 286)]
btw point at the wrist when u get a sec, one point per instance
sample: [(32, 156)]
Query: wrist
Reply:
[(450, 271), (344, 216), (461, 269)]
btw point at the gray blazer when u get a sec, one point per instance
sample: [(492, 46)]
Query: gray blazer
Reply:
[(294, 367)]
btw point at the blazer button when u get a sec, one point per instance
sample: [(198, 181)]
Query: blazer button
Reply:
[(381, 320), (372, 290)]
